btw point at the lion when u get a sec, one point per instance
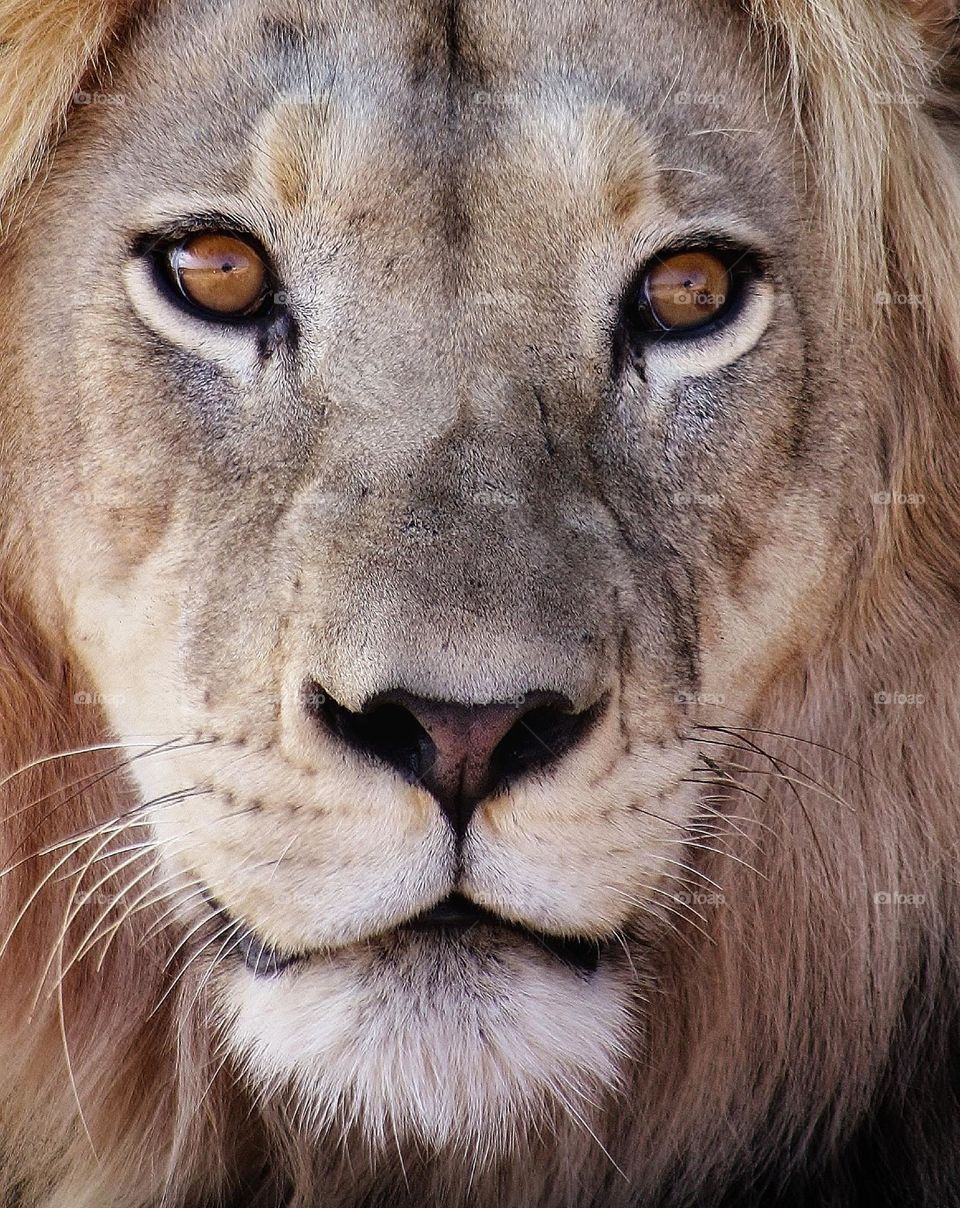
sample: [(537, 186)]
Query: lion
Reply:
[(480, 604)]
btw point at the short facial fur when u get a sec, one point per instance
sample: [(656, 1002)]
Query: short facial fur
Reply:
[(445, 469)]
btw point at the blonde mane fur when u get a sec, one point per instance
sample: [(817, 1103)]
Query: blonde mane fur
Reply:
[(868, 85)]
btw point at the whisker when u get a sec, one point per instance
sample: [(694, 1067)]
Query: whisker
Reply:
[(84, 945), (686, 912), (213, 1078), (156, 843), (70, 913), (793, 781), (88, 750), (95, 777), (845, 755), (200, 892), (722, 814), (192, 959), (98, 777), (105, 831), (687, 868), (724, 130), (121, 821), (733, 819), (641, 809), (682, 910), (153, 895), (581, 1120), (778, 762), (62, 1020), (231, 938), (89, 838), (622, 941), (727, 783), (112, 854), (281, 858), (720, 852)]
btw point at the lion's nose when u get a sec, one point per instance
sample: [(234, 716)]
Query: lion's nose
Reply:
[(459, 753)]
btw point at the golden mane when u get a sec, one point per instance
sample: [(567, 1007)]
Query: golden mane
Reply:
[(45, 52), (872, 90)]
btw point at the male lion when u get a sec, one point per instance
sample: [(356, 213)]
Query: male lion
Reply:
[(480, 603)]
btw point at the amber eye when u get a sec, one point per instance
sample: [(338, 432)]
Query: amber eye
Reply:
[(686, 291), (220, 273)]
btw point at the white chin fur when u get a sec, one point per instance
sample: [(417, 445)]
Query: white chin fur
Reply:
[(437, 1039)]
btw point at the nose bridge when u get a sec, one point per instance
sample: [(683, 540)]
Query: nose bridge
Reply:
[(461, 579), (479, 525)]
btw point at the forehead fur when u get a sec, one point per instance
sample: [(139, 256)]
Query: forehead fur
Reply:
[(300, 158), (290, 146)]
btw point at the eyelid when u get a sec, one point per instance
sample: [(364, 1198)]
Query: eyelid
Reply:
[(148, 242), (734, 254), (729, 234)]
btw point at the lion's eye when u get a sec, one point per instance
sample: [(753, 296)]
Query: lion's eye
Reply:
[(219, 273), (685, 291)]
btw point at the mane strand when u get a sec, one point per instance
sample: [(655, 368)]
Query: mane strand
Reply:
[(46, 49)]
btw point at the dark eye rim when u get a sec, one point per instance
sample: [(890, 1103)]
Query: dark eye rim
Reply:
[(155, 248), (745, 267)]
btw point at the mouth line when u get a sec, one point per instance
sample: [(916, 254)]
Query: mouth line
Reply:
[(457, 914), (454, 916)]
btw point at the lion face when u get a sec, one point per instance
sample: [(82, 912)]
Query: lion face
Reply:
[(422, 447)]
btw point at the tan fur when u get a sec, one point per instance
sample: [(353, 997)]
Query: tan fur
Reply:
[(778, 981)]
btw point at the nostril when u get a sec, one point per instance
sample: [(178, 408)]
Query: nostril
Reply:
[(540, 737), (387, 733)]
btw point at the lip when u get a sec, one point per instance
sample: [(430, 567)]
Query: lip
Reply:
[(453, 916), (458, 914)]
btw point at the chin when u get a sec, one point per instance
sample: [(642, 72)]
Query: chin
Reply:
[(449, 1032)]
